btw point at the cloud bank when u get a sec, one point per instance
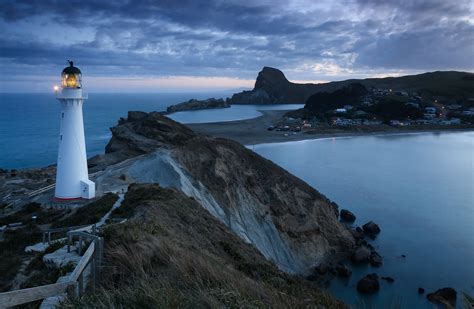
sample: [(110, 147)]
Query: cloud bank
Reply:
[(217, 40)]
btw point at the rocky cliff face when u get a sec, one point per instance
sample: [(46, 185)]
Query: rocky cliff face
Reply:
[(194, 104), (272, 87), (288, 221)]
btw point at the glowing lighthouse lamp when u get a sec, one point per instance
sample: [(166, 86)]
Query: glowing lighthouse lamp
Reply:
[(72, 178)]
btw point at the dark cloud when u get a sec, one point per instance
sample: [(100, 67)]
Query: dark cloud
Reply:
[(236, 38)]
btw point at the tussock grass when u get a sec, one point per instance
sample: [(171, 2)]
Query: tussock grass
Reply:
[(173, 253), (90, 213)]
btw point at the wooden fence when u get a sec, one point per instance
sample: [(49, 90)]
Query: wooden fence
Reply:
[(74, 286)]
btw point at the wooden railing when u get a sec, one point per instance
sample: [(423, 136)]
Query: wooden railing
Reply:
[(47, 233), (74, 286)]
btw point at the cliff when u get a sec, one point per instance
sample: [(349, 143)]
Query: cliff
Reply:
[(272, 87), (194, 104), (172, 253), (287, 220)]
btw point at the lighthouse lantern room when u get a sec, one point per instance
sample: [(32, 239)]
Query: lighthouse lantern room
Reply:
[(72, 178)]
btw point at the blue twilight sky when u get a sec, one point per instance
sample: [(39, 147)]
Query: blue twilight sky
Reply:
[(169, 45)]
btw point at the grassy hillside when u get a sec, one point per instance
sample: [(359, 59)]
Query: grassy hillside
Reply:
[(446, 84), (173, 253)]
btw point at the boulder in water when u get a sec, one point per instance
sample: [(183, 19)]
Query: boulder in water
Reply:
[(445, 296), (369, 284), (371, 228), (347, 216)]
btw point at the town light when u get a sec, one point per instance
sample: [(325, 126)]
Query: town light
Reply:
[(56, 88)]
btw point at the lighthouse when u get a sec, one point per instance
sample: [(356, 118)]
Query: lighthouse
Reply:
[(72, 177)]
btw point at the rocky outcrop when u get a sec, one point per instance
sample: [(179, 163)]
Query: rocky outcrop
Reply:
[(272, 87), (194, 104), (287, 220), (343, 271), (445, 296), (347, 216), (369, 284), (371, 228)]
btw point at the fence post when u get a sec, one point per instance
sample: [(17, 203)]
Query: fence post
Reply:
[(44, 237), (80, 281), (49, 238), (69, 238), (80, 245)]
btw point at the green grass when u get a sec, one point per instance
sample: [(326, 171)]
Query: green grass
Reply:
[(88, 214), (12, 251), (173, 253), (26, 213)]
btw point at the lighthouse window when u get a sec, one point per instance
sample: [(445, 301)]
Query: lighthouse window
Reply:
[(61, 137), (62, 115)]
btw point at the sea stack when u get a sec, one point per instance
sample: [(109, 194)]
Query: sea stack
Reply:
[(72, 178)]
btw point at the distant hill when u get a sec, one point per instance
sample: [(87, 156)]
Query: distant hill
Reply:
[(272, 87)]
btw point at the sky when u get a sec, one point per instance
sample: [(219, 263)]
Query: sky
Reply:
[(193, 45)]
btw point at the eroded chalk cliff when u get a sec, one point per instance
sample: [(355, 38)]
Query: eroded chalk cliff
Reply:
[(287, 220)]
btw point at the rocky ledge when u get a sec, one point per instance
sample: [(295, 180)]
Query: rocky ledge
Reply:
[(287, 220), (194, 104)]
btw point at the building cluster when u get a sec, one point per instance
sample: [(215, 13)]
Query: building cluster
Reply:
[(367, 112)]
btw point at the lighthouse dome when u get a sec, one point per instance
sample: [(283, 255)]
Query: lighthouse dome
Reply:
[(71, 77)]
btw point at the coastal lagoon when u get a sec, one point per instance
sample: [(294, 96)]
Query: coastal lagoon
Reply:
[(233, 113), (29, 123), (418, 187)]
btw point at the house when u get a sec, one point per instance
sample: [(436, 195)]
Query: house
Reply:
[(454, 106), (429, 116), (360, 113), (395, 123), (341, 110), (412, 104), (348, 107)]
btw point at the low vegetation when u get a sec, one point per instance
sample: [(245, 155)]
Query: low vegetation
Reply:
[(90, 213), (12, 252), (31, 213), (173, 253)]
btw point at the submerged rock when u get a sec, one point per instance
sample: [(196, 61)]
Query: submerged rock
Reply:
[(371, 228), (343, 271), (361, 255), (369, 284), (388, 279), (348, 216), (445, 296), (375, 259)]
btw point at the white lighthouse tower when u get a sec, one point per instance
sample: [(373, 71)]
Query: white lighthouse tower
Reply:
[(72, 178)]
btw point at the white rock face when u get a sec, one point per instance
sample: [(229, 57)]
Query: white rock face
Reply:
[(249, 220)]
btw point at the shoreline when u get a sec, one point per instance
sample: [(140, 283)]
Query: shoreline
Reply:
[(254, 131)]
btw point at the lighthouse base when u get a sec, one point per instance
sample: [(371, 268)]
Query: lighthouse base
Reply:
[(87, 192), (87, 189)]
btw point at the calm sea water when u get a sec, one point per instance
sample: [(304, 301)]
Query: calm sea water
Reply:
[(419, 188), (29, 123)]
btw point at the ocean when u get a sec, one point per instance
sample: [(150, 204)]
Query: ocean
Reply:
[(29, 123), (419, 189)]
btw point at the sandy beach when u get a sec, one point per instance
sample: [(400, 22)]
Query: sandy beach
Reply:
[(254, 131)]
